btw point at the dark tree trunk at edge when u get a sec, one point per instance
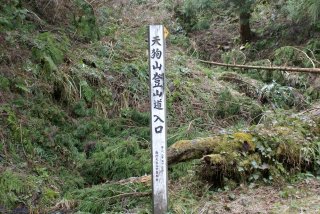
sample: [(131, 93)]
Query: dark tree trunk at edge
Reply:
[(245, 31)]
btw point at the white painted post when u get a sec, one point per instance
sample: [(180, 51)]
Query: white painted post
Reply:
[(158, 119)]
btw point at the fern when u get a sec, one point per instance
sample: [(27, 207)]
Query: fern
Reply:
[(85, 22), (86, 91), (4, 83), (297, 10), (118, 160), (107, 198), (227, 105), (314, 9), (13, 188)]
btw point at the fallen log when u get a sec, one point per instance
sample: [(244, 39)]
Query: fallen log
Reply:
[(269, 151), (289, 69), (184, 150)]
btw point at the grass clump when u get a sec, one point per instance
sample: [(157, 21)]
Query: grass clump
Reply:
[(117, 160), (112, 198)]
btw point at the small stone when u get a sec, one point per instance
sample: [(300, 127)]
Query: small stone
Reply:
[(232, 197)]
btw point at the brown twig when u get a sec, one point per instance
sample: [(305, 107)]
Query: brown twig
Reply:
[(129, 194)]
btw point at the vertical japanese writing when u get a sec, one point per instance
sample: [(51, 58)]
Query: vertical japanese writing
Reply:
[(158, 120)]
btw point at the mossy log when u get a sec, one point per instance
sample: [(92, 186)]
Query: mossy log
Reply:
[(192, 149), (265, 153)]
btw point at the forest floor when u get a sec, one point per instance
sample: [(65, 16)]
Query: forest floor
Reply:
[(75, 113), (302, 197)]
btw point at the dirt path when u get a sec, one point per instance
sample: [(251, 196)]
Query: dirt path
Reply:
[(303, 197)]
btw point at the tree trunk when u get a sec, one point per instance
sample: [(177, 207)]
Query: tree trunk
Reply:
[(245, 31)]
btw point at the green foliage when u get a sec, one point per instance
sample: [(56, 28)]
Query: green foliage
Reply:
[(291, 56), (86, 91), (187, 131), (283, 96), (80, 109), (280, 148), (180, 40), (49, 196), (192, 14), (140, 119), (87, 121), (313, 93), (85, 22), (299, 9), (313, 48), (227, 105), (50, 50), (314, 10), (14, 188), (71, 180), (241, 5), (182, 169), (234, 57), (105, 15), (11, 122), (111, 198), (4, 83), (12, 15), (117, 160)]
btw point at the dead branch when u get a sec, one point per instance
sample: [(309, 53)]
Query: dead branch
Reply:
[(130, 194), (289, 69), (142, 179)]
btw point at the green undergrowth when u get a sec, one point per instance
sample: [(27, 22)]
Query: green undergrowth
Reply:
[(85, 22), (118, 160), (74, 109), (37, 190), (19, 187), (42, 139), (112, 198), (50, 51), (271, 152)]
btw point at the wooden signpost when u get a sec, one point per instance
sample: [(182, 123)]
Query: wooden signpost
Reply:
[(158, 119)]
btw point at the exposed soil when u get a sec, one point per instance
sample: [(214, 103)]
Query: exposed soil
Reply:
[(303, 197), (213, 43)]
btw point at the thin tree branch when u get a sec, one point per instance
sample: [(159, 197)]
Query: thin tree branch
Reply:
[(289, 69), (129, 194)]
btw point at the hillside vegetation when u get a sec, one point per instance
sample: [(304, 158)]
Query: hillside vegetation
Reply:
[(74, 106)]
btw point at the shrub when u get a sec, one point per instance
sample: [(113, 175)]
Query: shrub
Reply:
[(117, 160), (49, 50)]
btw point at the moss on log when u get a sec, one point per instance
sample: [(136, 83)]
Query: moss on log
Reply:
[(192, 149), (269, 151)]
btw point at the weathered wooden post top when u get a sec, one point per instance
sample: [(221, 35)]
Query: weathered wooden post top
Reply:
[(158, 119)]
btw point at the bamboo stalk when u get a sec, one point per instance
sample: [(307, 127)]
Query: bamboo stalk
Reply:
[(289, 69)]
